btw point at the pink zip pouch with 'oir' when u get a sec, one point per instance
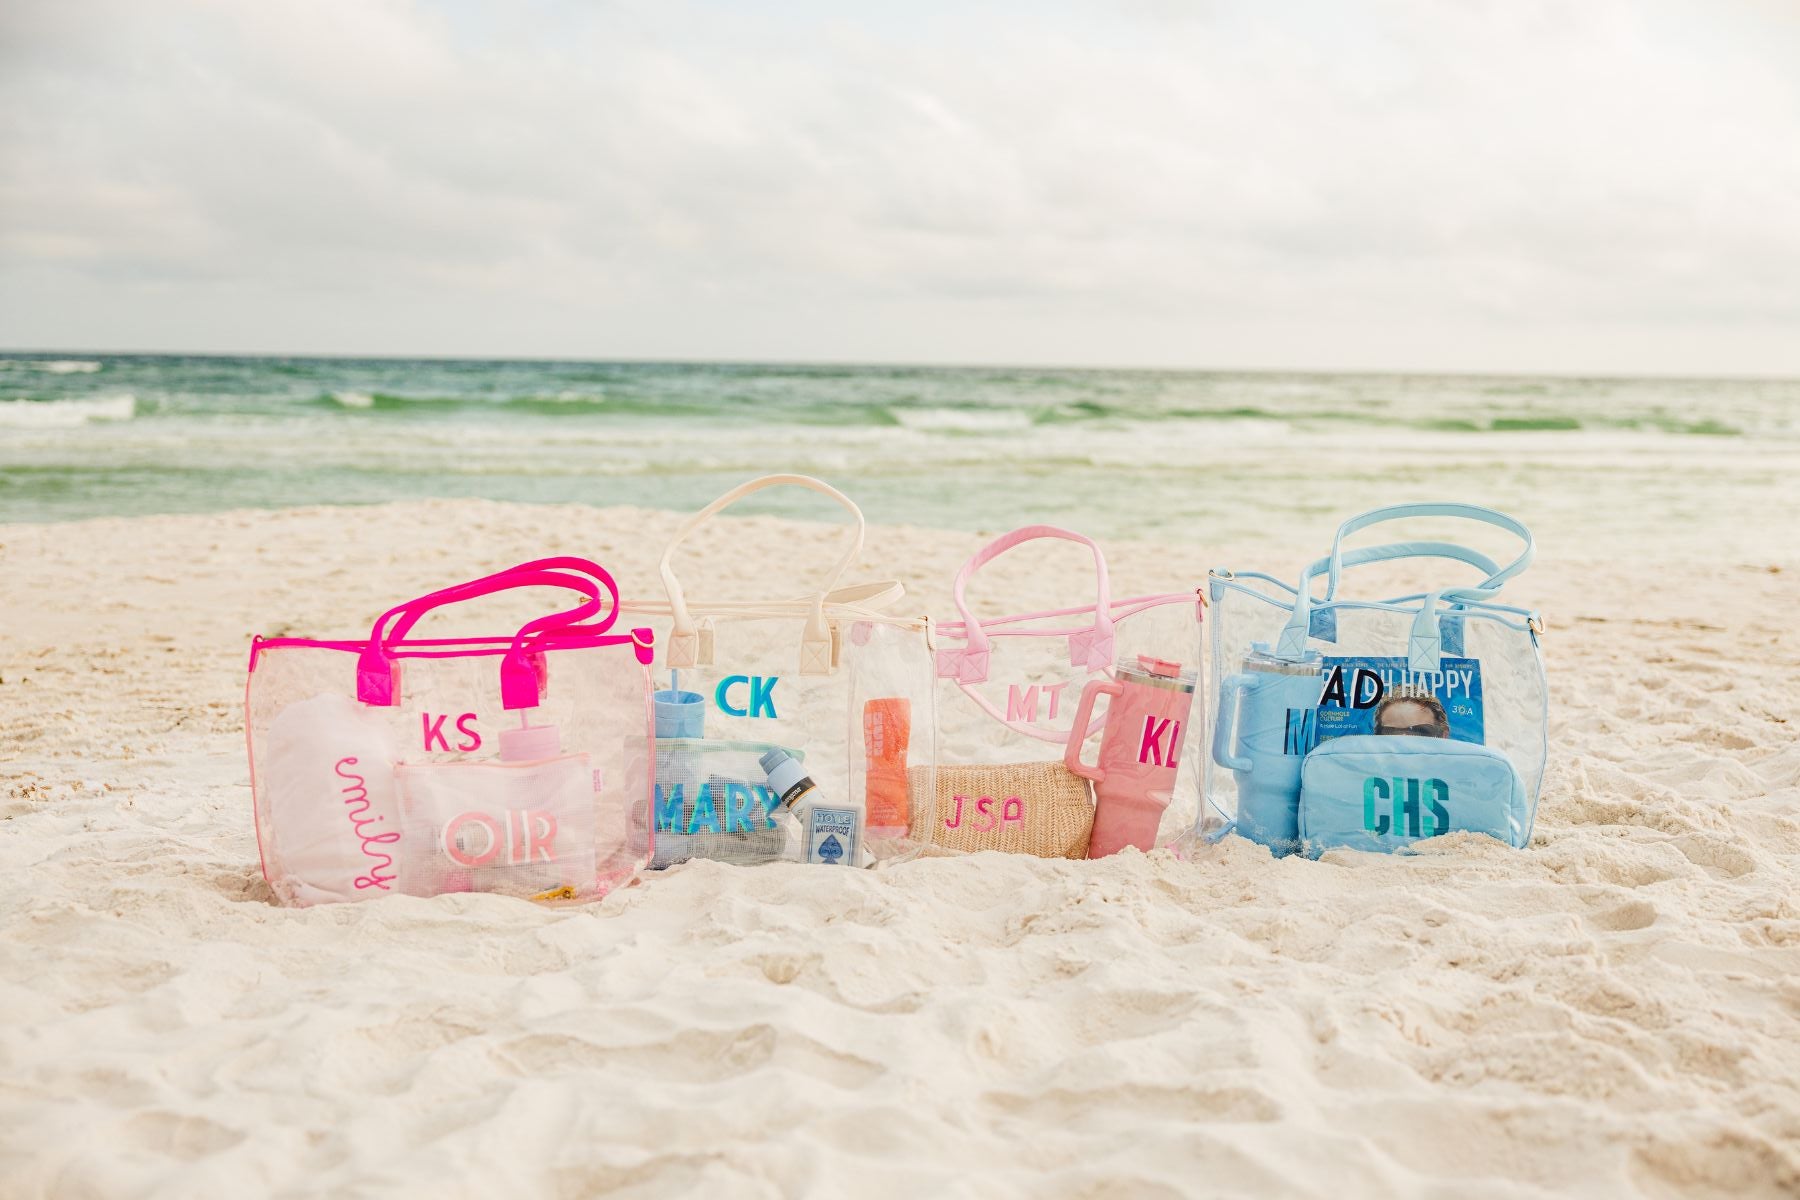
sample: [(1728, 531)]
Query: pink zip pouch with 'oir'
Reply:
[(522, 828)]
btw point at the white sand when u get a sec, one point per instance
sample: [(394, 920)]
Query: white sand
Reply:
[(1614, 1012)]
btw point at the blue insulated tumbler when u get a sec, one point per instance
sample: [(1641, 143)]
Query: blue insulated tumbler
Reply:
[(1267, 722), (679, 714)]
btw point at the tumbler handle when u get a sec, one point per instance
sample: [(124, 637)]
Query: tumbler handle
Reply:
[(1084, 710), (1224, 746)]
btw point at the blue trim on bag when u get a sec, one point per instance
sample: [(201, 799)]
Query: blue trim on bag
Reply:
[(1477, 608)]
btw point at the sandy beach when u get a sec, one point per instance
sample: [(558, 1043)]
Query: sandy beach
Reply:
[(1613, 1012), (310, 309)]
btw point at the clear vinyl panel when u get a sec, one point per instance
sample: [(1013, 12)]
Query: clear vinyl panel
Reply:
[(1272, 708), (1131, 700), (447, 790), (853, 732)]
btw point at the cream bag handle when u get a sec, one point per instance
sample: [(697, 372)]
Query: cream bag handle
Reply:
[(815, 642)]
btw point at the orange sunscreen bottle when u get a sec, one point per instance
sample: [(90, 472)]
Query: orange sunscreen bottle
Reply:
[(887, 728)]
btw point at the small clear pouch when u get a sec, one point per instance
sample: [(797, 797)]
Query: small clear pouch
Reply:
[(713, 799), (1381, 793), (518, 828)]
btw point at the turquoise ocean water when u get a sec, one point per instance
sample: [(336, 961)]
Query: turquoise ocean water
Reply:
[(1113, 451)]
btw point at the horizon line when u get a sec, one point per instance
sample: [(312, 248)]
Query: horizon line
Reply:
[(919, 365)]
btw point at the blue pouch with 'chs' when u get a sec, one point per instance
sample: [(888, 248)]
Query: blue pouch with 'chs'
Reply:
[(1380, 793)]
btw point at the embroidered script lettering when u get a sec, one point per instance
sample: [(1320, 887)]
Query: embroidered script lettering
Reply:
[(356, 807)]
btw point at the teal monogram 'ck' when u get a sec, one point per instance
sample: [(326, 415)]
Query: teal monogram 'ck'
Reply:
[(759, 702), (1408, 809)]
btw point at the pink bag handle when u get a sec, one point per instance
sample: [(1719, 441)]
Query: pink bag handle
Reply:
[(1091, 648), (520, 677), (596, 577)]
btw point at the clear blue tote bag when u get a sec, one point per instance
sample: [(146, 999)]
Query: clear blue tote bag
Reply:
[(1374, 723)]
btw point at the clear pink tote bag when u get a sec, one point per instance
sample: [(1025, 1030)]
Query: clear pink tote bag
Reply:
[(1067, 732), (517, 764)]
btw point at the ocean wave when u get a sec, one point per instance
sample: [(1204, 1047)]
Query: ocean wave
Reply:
[(66, 414), (963, 420), (53, 366), (564, 401), (1545, 423)]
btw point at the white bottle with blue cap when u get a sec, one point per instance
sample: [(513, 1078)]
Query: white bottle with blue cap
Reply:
[(786, 776)]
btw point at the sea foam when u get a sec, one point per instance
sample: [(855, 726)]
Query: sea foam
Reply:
[(66, 414)]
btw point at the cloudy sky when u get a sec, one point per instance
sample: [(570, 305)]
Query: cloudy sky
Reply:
[(1518, 185)]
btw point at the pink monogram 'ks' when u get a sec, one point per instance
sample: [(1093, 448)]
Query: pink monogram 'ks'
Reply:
[(465, 725)]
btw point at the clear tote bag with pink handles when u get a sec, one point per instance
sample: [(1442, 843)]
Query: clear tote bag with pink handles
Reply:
[(759, 696), (1067, 732), (517, 764)]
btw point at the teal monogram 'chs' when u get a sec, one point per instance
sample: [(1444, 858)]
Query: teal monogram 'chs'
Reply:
[(1368, 792), (1421, 805)]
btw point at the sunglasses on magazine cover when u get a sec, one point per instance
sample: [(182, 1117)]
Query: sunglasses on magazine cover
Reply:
[(1429, 729)]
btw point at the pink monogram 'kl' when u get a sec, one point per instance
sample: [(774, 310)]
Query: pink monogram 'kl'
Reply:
[(1140, 752)]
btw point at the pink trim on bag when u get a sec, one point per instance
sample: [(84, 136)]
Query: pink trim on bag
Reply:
[(1120, 610), (262, 860), (1090, 646), (474, 647), (1136, 605)]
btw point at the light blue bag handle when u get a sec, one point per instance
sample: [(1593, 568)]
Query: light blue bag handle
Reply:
[(1441, 508), (1292, 643), (1424, 642)]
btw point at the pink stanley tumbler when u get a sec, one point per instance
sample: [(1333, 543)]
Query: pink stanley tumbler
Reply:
[(1139, 752)]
